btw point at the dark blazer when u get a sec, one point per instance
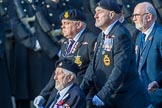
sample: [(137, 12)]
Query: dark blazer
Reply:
[(82, 55), (114, 74), (76, 98), (150, 59), (82, 52)]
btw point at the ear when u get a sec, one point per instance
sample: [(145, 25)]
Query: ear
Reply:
[(149, 17), (79, 24), (112, 14), (70, 77)]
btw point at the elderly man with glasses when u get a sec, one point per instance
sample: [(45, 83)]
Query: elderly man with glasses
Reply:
[(148, 48)]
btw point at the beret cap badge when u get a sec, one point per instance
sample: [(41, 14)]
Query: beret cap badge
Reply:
[(66, 15), (60, 64)]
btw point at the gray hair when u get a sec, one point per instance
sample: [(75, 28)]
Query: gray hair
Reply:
[(84, 24), (67, 72), (150, 9)]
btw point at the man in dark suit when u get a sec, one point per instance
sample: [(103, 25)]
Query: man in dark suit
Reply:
[(81, 52), (70, 95), (148, 47), (112, 70)]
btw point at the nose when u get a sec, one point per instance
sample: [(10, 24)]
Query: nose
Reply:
[(62, 26), (95, 15), (55, 76), (133, 18)]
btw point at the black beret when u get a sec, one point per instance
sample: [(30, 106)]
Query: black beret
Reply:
[(68, 65), (73, 14), (110, 5)]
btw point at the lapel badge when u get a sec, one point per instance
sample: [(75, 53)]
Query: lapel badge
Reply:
[(78, 60), (106, 60), (150, 38), (113, 36), (84, 43)]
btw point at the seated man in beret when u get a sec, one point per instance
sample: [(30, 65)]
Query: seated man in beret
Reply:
[(66, 93)]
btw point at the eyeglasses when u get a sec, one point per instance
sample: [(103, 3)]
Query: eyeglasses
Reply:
[(137, 15)]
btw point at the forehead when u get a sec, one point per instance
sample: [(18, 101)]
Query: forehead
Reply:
[(98, 8), (59, 70), (139, 9), (66, 20)]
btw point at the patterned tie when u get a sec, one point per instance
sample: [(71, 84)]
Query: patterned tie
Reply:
[(68, 49)]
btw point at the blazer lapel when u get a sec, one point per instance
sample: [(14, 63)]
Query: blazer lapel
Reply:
[(51, 98), (138, 47), (146, 48)]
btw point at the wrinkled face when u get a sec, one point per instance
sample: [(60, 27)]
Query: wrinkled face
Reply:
[(61, 79), (139, 17), (102, 18), (69, 28)]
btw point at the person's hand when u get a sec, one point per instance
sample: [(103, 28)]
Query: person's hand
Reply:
[(97, 101), (153, 86), (39, 101)]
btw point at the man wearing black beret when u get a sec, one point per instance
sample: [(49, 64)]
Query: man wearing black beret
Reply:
[(112, 70), (66, 93), (78, 47)]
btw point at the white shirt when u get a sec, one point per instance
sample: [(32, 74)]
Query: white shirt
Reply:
[(75, 39), (63, 94), (106, 32), (149, 31)]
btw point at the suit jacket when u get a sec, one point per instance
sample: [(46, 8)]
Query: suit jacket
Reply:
[(113, 71), (159, 80), (75, 99), (82, 52), (150, 59), (81, 55)]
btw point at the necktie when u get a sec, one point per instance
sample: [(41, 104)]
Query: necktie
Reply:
[(68, 49), (56, 98), (143, 40)]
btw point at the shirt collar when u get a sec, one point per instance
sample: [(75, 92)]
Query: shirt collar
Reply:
[(64, 91), (106, 32), (78, 35), (149, 31)]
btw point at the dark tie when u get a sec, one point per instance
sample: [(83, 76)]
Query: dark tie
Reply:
[(143, 40), (68, 49), (56, 98)]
